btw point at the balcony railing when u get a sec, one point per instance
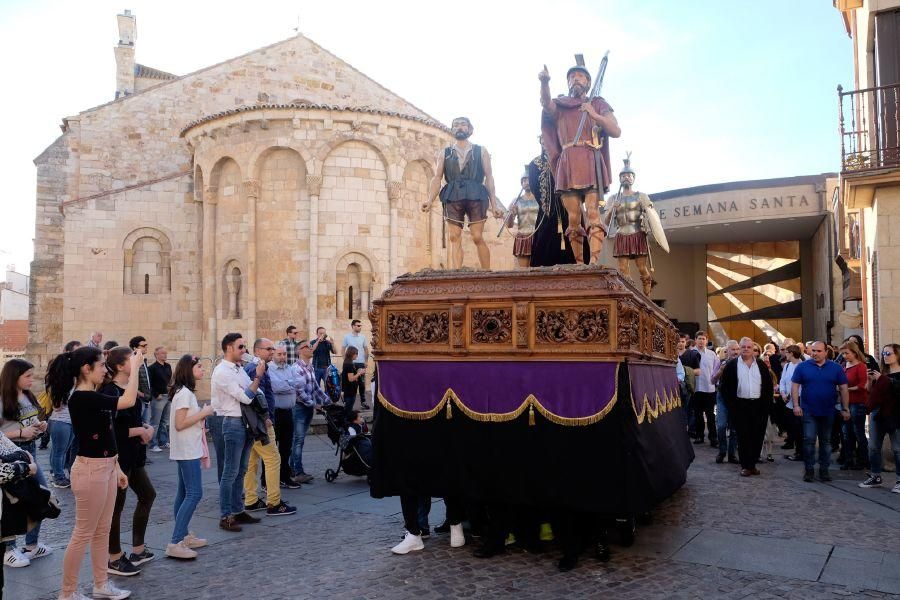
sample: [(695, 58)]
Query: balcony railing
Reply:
[(870, 128)]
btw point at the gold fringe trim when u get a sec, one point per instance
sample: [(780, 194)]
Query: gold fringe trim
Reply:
[(531, 403), (660, 406)]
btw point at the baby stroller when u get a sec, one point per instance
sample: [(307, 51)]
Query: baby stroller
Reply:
[(354, 452)]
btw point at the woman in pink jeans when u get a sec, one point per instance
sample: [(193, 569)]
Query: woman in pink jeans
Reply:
[(95, 473)]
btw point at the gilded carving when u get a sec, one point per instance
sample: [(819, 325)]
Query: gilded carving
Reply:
[(522, 325), (629, 325), (375, 318), (491, 326), (458, 312), (572, 325), (417, 327), (659, 340)]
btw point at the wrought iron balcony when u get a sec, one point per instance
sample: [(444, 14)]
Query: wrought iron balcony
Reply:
[(870, 128)]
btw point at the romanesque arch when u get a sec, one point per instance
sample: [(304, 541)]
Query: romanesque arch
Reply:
[(354, 273), (147, 267)]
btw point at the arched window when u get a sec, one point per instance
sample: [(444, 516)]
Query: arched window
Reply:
[(147, 262)]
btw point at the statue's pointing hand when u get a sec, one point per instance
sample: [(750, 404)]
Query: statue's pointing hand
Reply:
[(544, 75)]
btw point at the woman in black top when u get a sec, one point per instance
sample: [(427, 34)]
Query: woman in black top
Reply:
[(350, 379), (95, 472), (132, 436)]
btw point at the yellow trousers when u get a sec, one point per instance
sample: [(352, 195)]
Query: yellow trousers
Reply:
[(271, 463)]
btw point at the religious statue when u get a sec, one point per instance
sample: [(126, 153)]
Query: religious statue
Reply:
[(523, 213), (634, 217), (468, 193), (578, 151)]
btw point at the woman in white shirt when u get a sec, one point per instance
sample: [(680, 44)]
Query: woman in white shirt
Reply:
[(794, 427), (186, 428)]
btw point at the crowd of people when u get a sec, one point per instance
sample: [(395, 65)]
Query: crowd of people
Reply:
[(812, 398), (105, 406)]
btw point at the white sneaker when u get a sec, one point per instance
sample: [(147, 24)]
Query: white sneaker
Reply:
[(111, 592), (180, 550), (39, 551), (15, 559), (410, 543), (155, 449), (193, 542), (457, 537), (896, 488)]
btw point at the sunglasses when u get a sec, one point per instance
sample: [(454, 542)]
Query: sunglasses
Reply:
[(269, 349), (886, 352), (304, 346), (242, 347)]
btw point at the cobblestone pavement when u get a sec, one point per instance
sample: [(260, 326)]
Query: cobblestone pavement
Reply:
[(721, 536)]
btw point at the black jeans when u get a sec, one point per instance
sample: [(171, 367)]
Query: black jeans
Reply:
[(750, 418), (409, 504), (143, 489), (284, 436), (362, 383), (705, 405)]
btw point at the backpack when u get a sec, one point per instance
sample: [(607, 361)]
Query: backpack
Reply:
[(333, 383)]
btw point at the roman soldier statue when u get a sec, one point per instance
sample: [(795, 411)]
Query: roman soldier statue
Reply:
[(634, 217), (523, 213), (468, 193), (580, 166)]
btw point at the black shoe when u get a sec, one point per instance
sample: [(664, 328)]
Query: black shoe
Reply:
[(567, 563), (122, 567), (732, 460), (244, 517), (714, 443), (809, 476), (364, 406), (787, 446), (425, 532), (824, 475), (720, 459), (699, 441), (281, 510), (256, 506), (488, 550), (229, 524), (443, 528), (290, 485), (139, 559), (602, 552)]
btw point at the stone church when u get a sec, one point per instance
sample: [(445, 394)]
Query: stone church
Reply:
[(279, 187)]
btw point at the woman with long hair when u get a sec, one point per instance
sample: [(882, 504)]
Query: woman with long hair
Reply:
[(350, 375), (132, 436), (95, 472), (62, 437), (21, 423), (884, 420), (853, 432), (186, 441)]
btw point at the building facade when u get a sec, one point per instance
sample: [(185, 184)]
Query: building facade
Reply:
[(14, 311), (869, 201), (279, 187)]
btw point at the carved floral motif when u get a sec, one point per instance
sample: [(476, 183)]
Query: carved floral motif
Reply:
[(522, 325), (572, 325), (491, 326), (629, 325), (375, 318), (458, 312), (659, 340), (418, 327)]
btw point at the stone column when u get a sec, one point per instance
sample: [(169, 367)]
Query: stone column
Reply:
[(314, 184), (393, 189), (251, 193), (129, 264), (365, 291), (209, 273), (341, 310)]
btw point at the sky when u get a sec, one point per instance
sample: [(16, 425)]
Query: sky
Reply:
[(705, 91)]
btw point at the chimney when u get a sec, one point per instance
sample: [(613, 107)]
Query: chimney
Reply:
[(125, 55)]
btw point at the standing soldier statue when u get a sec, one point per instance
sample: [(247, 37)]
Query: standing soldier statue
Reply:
[(523, 213), (469, 192), (580, 166), (634, 217)]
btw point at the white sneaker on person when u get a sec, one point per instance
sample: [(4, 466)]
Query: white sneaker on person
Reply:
[(39, 551), (110, 592), (15, 559), (193, 542), (896, 488), (180, 550), (156, 449), (457, 537), (410, 543)]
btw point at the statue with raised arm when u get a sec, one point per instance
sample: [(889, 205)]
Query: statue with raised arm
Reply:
[(580, 166), (468, 192)]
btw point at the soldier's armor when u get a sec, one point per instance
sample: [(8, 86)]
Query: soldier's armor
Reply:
[(526, 214), (628, 214)]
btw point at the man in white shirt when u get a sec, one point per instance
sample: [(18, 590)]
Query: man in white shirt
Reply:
[(704, 403), (748, 389), (230, 387)]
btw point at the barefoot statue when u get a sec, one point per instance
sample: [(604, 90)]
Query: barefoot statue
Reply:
[(629, 218), (575, 132), (468, 193)]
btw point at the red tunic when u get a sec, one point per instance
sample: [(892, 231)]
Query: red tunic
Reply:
[(573, 165)]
